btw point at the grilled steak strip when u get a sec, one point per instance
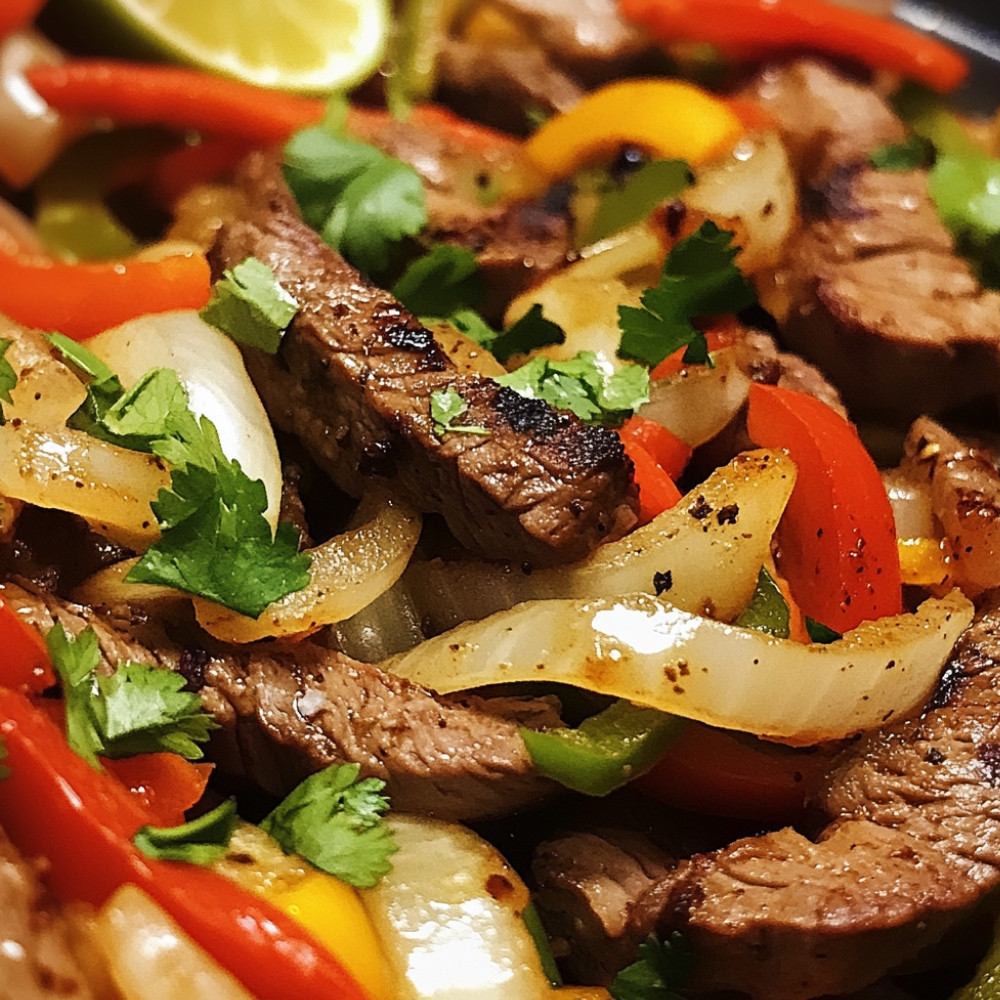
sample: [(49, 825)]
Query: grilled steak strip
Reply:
[(289, 710), (353, 380), (912, 842)]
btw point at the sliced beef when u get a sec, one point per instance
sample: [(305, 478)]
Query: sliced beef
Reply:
[(881, 302), (291, 709), (826, 119), (912, 842), (37, 961), (353, 380), (517, 243)]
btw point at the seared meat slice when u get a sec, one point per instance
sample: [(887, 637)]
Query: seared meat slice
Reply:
[(37, 961), (517, 243), (825, 119), (881, 302), (291, 709), (353, 380), (913, 840)]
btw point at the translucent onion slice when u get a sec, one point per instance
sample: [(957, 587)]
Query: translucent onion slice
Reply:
[(642, 648), (47, 391), (449, 917), (211, 368), (348, 573), (753, 193), (151, 958), (704, 553), (699, 401), (69, 470)]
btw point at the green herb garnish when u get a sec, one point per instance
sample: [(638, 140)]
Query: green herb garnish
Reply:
[(699, 278), (199, 842), (447, 405), (661, 969), (8, 377), (250, 306), (335, 822)]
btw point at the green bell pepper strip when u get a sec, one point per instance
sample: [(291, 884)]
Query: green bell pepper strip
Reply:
[(605, 751), (767, 610)]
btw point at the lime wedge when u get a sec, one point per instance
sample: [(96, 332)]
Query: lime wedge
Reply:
[(307, 46)]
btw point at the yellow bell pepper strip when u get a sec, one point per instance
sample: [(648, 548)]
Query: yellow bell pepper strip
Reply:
[(668, 119), (80, 300), (754, 29)]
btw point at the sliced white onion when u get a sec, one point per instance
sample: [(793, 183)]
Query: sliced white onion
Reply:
[(211, 368), (151, 958), (697, 402), (33, 133), (706, 552), (751, 192), (642, 648), (47, 391), (911, 504), (65, 469), (348, 572), (449, 915)]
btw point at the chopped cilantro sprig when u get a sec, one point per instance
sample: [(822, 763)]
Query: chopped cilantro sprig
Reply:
[(444, 285), (250, 306), (137, 709), (447, 405), (583, 385), (699, 278), (660, 970), (214, 540), (361, 201), (335, 822), (199, 842)]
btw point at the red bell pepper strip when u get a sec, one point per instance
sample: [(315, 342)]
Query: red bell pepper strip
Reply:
[(722, 334), (665, 448), (712, 771), (24, 660), (837, 535), (16, 14), (186, 99), (165, 784), (54, 805), (657, 491), (759, 28), (81, 300)]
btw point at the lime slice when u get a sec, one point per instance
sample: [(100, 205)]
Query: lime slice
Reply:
[(308, 46)]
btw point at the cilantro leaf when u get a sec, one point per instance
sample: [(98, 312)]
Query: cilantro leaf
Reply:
[(582, 385), (8, 377), (526, 334), (335, 822), (103, 386), (137, 709), (75, 660), (699, 278), (199, 842), (636, 197), (250, 306), (360, 200), (443, 281), (447, 405), (214, 540), (145, 709), (662, 967)]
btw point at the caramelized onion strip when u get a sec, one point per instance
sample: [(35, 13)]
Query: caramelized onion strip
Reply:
[(646, 650)]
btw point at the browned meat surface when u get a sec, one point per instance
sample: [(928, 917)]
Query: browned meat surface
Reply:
[(36, 958), (826, 119), (353, 380), (516, 243), (913, 841), (288, 710), (964, 486), (882, 304)]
